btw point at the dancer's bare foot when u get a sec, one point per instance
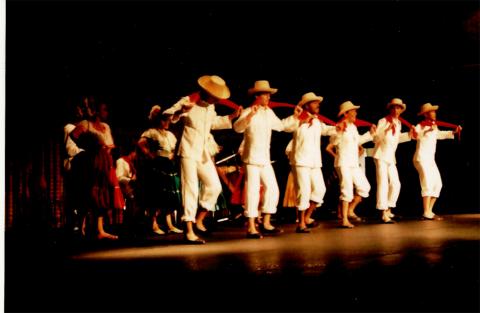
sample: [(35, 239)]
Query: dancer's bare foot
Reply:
[(175, 230), (191, 238), (105, 235), (84, 226), (200, 227), (158, 231), (347, 225), (355, 217)]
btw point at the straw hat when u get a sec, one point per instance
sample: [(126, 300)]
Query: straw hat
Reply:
[(427, 107), (309, 97), (215, 86), (261, 86), (399, 102), (153, 112), (347, 106)]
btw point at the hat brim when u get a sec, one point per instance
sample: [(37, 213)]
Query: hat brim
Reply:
[(355, 107), (252, 91), (222, 92), (303, 102), (432, 108)]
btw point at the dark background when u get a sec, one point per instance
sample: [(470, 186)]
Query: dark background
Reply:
[(135, 54)]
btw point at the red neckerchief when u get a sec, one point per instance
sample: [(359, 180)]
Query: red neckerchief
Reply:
[(389, 119), (427, 122)]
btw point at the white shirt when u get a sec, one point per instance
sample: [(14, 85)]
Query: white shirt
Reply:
[(198, 123), (104, 137), (386, 142), (258, 133), (347, 143), (427, 142), (123, 171), (306, 144), (166, 140), (70, 145)]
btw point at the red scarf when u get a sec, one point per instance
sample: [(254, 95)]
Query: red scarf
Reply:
[(304, 115), (194, 97), (229, 104), (404, 122), (431, 123), (358, 123), (273, 105), (426, 123)]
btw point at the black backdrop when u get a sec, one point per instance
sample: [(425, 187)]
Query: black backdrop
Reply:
[(135, 54)]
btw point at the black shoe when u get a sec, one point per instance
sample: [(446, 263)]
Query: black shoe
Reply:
[(304, 230), (312, 224), (254, 236)]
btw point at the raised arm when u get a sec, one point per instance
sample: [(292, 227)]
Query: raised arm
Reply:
[(244, 120), (179, 109)]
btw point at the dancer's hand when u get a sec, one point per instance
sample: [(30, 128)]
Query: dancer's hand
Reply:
[(298, 110)]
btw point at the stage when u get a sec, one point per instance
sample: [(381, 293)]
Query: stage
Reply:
[(412, 265)]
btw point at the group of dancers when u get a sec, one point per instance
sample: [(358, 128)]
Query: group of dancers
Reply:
[(199, 187)]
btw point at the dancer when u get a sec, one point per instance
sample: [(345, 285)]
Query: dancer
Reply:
[(306, 161), (74, 183), (198, 113), (387, 138), (158, 172), (424, 157), (95, 137), (257, 123), (347, 142)]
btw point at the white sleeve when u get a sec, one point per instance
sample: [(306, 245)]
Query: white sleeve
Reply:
[(404, 137), (288, 124), (328, 130), (221, 122), (122, 171), (366, 137), (176, 107), (380, 133), (242, 122), (445, 134)]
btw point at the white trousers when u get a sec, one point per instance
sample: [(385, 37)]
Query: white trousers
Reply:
[(309, 185), (430, 179), (191, 172), (351, 177), (388, 185), (254, 174)]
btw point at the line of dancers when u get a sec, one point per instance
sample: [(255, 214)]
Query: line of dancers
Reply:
[(198, 187)]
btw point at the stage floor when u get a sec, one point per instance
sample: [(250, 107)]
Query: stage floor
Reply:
[(411, 265)]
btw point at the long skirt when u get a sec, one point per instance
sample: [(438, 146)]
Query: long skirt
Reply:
[(159, 185)]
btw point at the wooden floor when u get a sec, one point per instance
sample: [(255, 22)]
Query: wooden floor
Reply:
[(412, 265)]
